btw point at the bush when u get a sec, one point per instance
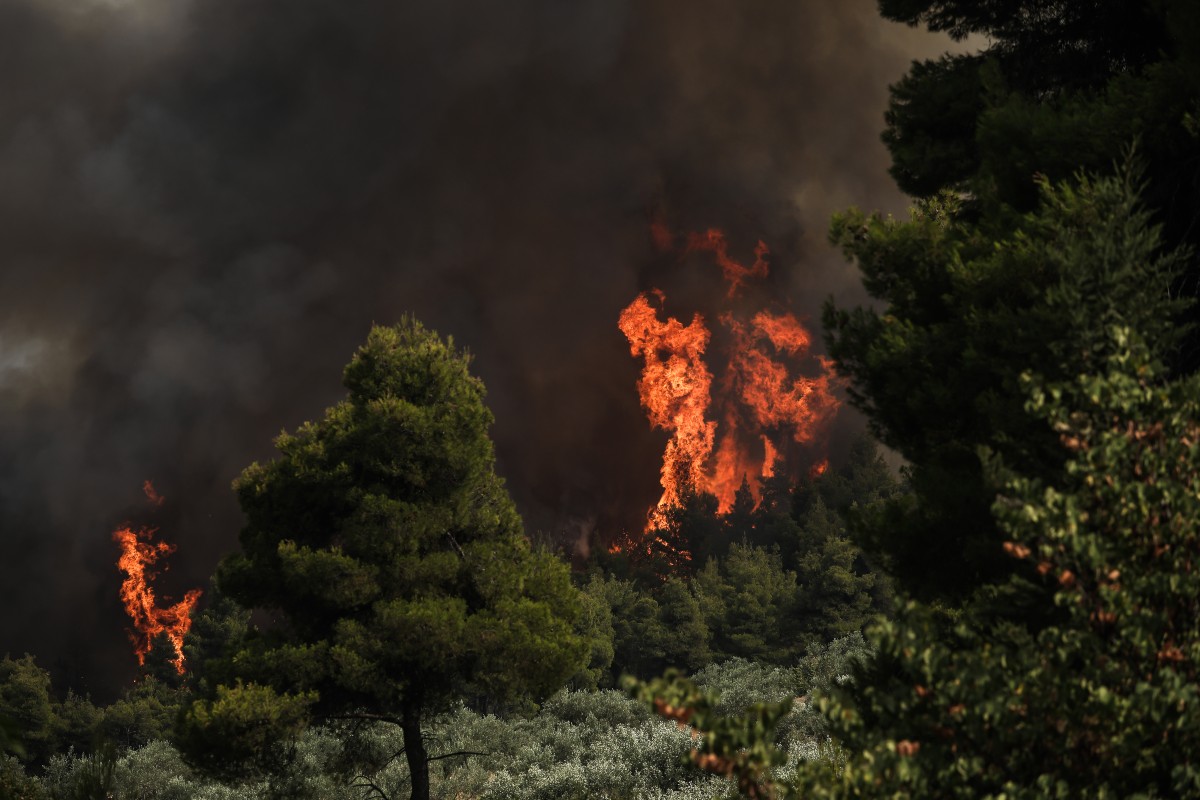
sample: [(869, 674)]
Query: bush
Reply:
[(15, 784), (579, 745)]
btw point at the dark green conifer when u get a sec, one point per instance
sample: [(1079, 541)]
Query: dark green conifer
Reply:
[(393, 564)]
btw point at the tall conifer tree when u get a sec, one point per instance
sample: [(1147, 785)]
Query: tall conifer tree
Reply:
[(392, 562)]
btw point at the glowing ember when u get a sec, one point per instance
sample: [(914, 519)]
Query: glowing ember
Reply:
[(138, 555), (152, 494), (761, 401)]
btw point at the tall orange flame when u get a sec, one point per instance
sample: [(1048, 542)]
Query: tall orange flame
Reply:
[(138, 555), (675, 389), (762, 399)]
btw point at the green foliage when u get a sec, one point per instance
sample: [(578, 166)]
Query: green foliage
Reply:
[(10, 737), (15, 783), (740, 747), (155, 771), (686, 632), (579, 744), (826, 666), (158, 772), (736, 704), (25, 701), (217, 632), (863, 481), (786, 573), (247, 730), (738, 684), (145, 712), (77, 723), (639, 638), (1103, 700), (694, 526), (1073, 676), (1058, 88), (1058, 57), (393, 559), (94, 777), (595, 626), (931, 123), (834, 598), (970, 285), (937, 380), (749, 603)]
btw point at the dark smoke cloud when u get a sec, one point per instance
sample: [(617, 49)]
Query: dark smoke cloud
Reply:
[(204, 205)]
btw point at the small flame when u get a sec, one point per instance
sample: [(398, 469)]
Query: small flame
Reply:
[(152, 494), (714, 241), (138, 555), (761, 398)]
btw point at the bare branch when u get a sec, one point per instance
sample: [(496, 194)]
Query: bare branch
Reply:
[(373, 787), (459, 753), (364, 716)]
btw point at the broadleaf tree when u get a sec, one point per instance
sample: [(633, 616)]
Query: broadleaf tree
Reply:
[(392, 562), (1077, 676)]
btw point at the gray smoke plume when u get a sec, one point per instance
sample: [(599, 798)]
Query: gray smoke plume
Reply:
[(204, 206)]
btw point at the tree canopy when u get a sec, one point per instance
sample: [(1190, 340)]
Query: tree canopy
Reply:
[(1076, 676), (392, 562)]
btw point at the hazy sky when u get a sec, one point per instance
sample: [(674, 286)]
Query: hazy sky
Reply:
[(204, 205)]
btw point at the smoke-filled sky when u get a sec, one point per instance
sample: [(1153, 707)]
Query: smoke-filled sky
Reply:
[(204, 204)]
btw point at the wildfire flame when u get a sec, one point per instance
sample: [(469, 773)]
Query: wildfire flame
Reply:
[(139, 553), (676, 392), (152, 495), (762, 400)]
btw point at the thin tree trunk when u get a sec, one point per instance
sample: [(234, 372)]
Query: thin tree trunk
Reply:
[(414, 750)]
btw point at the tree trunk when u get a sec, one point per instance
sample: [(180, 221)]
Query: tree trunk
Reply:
[(414, 750)]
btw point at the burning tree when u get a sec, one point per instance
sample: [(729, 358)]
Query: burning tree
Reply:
[(733, 429), (394, 562), (139, 554)]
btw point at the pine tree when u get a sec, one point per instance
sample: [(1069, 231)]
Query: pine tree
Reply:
[(1075, 677), (748, 601), (834, 598), (939, 371), (393, 563)]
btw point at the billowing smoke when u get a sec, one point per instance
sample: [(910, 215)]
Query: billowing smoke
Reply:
[(204, 204)]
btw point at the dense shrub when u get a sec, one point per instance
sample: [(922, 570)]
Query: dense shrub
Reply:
[(580, 744)]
